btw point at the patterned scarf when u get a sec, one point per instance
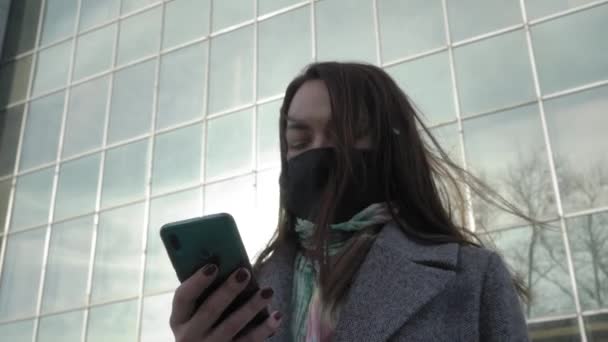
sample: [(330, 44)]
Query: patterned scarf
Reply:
[(312, 321)]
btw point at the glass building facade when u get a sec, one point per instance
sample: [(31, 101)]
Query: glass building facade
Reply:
[(117, 116)]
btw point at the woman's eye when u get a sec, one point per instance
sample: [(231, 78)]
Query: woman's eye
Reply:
[(297, 145)]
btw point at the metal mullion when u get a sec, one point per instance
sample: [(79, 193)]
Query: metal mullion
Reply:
[(567, 12), (230, 111), (184, 45), (280, 11), (415, 56), (551, 318), (499, 109), (488, 35), (578, 89), (313, 30), (204, 149), (254, 111), (598, 210), (554, 179), (377, 32)]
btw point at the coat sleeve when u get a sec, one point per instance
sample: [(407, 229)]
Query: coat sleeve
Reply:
[(501, 315)]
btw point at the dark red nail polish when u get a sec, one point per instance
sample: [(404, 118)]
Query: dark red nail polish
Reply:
[(277, 315), (266, 293), (241, 275), (209, 270)]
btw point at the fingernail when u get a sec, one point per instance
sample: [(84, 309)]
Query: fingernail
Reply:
[(241, 275), (209, 270), (266, 293), (277, 316)]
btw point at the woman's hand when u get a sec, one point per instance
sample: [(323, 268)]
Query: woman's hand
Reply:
[(197, 327)]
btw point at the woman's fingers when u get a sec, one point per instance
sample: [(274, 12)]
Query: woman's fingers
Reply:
[(265, 330), (187, 293)]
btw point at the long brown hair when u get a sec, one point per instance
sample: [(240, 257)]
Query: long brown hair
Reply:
[(423, 187)]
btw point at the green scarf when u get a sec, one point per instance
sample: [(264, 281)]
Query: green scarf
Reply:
[(305, 282)]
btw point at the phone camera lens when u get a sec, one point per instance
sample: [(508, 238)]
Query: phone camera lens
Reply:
[(174, 241)]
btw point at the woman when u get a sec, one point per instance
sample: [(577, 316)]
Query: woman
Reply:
[(369, 246)]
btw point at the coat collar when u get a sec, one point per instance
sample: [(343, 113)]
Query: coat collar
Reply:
[(399, 275)]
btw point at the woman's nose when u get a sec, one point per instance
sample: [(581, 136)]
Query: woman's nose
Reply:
[(322, 141)]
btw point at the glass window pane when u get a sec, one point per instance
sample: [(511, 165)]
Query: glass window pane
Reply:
[(555, 331), (95, 12), (52, 68), (577, 129), (185, 20), (132, 100), (276, 71), (67, 269), (236, 197), (267, 6), (231, 70), (229, 144), (428, 84), (588, 236), (22, 331), (266, 210), (517, 169), (345, 31), (32, 199), (86, 117), (59, 20), (231, 12), (14, 78), (41, 137), (448, 138), (540, 8), (124, 176), (474, 17), (114, 322), (5, 193), (481, 68), (10, 121), (182, 85), (21, 274), (65, 327), (133, 5), (94, 52), (596, 327), (77, 187), (155, 318), (116, 272), (558, 44), (410, 27), (160, 275), (181, 147), (269, 149), (139, 36), (537, 255), (21, 27)]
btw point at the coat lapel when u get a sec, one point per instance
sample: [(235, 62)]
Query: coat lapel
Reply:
[(398, 277)]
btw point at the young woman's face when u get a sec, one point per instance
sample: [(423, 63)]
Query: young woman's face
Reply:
[(308, 120)]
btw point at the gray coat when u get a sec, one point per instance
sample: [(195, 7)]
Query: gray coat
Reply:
[(408, 291)]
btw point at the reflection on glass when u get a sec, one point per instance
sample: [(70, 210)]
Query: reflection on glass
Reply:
[(5, 193), (428, 84), (236, 197), (124, 173), (275, 71), (21, 27), (561, 331), (537, 254), (118, 254), (540, 8), (21, 274), (410, 27), (77, 187), (517, 168), (588, 236), (156, 312), (474, 17), (14, 77), (132, 5), (114, 322), (231, 70), (266, 210), (228, 13), (65, 327), (59, 19), (32, 199), (86, 117), (596, 327), (10, 119), (139, 36), (185, 20), (181, 148), (267, 6), (160, 275), (345, 31), (229, 144), (67, 269), (94, 52), (52, 68), (269, 149), (95, 12), (41, 137), (481, 68), (182, 85), (131, 108), (566, 37), (22, 331), (578, 123)]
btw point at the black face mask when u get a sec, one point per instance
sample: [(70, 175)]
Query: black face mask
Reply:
[(307, 177)]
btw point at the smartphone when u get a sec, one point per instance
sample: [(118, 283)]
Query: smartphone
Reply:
[(194, 243)]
